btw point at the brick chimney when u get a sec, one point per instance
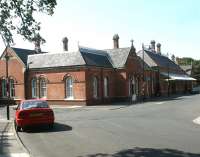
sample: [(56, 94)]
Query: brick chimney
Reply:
[(153, 45), (116, 41), (158, 48), (65, 44), (37, 42)]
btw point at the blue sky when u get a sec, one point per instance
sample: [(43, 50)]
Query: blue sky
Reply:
[(92, 23)]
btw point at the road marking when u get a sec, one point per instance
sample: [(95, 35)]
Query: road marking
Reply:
[(5, 120), (159, 103), (7, 133), (197, 120), (15, 155)]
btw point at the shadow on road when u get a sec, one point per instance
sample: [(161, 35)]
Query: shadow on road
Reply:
[(146, 152), (58, 127), (4, 138)]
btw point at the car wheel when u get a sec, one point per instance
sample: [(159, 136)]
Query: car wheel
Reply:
[(51, 126), (18, 128), (23, 129)]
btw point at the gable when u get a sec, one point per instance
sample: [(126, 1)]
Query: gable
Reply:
[(119, 56), (23, 54), (12, 55)]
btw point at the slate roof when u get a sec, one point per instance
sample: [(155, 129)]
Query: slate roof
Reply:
[(187, 69), (50, 60), (95, 57), (23, 53), (148, 60), (118, 56), (110, 58), (153, 59)]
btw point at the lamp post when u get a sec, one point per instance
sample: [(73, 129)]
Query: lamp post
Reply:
[(7, 57), (143, 79), (168, 79)]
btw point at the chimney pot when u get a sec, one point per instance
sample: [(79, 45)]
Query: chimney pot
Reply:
[(116, 41), (158, 48), (37, 41), (153, 45), (65, 43)]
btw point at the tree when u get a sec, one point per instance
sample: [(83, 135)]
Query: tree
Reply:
[(18, 15)]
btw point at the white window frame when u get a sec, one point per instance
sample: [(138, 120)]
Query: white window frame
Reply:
[(3, 87), (95, 87), (12, 88), (34, 87), (106, 87), (69, 92), (43, 88)]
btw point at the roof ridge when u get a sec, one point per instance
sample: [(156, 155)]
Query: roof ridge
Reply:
[(93, 51), (22, 48), (117, 48)]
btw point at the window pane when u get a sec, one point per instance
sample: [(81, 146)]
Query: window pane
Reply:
[(69, 87), (12, 88), (4, 89), (43, 88), (106, 87), (34, 88), (95, 87)]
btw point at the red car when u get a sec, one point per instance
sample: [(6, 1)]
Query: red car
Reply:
[(33, 112)]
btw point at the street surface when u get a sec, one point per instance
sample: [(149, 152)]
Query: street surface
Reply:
[(151, 129)]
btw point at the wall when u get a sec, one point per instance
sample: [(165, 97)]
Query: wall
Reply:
[(100, 73), (56, 84), (16, 71)]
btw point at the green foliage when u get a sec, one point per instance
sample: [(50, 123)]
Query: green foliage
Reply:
[(18, 15), (196, 69), (185, 61), (195, 65)]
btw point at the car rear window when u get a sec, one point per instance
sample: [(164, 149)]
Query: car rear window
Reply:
[(34, 104)]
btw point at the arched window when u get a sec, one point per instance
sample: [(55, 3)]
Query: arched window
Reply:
[(34, 88), (43, 88), (12, 88), (106, 88), (3, 87), (95, 87), (131, 86), (69, 88)]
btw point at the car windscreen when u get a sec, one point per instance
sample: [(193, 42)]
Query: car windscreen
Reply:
[(34, 104)]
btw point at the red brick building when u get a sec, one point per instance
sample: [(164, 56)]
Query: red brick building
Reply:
[(168, 77), (85, 77)]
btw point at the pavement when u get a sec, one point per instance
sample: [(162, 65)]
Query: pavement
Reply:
[(10, 145)]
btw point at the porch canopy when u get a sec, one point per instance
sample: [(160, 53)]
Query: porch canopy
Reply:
[(172, 76)]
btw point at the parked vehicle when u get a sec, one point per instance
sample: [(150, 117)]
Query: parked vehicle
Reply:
[(195, 90), (33, 113)]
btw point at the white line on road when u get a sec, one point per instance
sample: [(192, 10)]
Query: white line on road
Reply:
[(7, 133), (5, 120), (15, 155), (159, 103), (197, 120)]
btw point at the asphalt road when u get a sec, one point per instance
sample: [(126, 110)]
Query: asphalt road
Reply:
[(152, 129)]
